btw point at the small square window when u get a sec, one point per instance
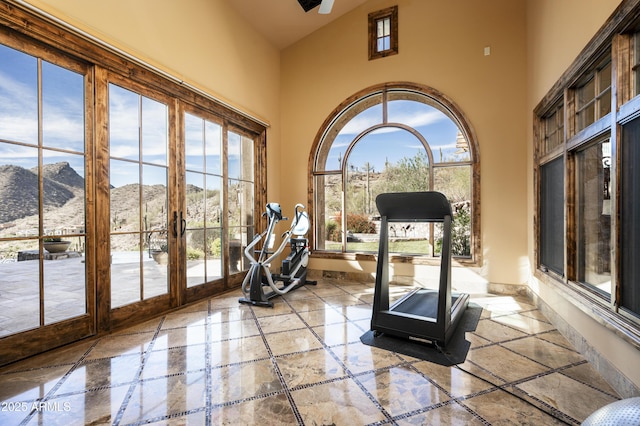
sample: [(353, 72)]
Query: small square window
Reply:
[(383, 33)]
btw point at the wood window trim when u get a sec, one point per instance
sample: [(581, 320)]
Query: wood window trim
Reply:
[(374, 17), (616, 37), (463, 122)]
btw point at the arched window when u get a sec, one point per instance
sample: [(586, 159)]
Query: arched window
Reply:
[(398, 137)]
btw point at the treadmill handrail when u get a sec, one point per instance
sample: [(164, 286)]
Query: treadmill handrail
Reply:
[(428, 206)]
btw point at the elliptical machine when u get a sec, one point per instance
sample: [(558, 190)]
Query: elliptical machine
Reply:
[(293, 273)]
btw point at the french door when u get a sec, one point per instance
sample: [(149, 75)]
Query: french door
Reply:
[(47, 296), (119, 198), (141, 170), (218, 201), (181, 203)]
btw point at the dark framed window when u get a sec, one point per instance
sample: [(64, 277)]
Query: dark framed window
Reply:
[(592, 211), (587, 174), (383, 33), (552, 216), (630, 218), (593, 95)]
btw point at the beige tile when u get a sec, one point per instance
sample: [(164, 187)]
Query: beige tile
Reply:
[(524, 323), (279, 308), (102, 373), (537, 314), (300, 293), (340, 402), (238, 350), (117, 345), (328, 315), (96, 407), (338, 334), (191, 335), (277, 323), (495, 305), (202, 305), (327, 290), (358, 288), (495, 332), (165, 396), (567, 395), (557, 338), (357, 312), (184, 319), (450, 414), (308, 304), (504, 363), (545, 353), (500, 408), (585, 373), (174, 361), (309, 367), (29, 385), (292, 341), (240, 381), (455, 381), (270, 411), (359, 358), (227, 300), (233, 329), (194, 418), (236, 313), (343, 300), (401, 390)]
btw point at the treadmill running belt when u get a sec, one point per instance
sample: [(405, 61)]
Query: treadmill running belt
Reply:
[(424, 303)]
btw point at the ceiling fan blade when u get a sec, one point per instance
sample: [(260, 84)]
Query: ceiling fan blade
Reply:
[(325, 7)]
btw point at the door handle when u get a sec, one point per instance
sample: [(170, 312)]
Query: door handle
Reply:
[(175, 224), (183, 225)]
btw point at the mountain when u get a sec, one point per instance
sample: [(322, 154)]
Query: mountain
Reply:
[(64, 203), (19, 189), (63, 174)]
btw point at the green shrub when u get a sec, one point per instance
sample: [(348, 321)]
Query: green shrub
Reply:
[(215, 247), (194, 253), (333, 230), (356, 223), (460, 230)]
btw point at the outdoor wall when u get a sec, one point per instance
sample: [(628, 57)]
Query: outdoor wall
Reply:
[(556, 33), (441, 45), (202, 42)]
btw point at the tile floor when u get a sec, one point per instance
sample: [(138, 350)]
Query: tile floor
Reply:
[(302, 362)]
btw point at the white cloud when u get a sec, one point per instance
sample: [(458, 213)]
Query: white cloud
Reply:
[(371, 118)]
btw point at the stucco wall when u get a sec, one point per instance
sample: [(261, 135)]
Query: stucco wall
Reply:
[(441, 44)]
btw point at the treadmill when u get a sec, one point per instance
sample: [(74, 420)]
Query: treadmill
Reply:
[(423, 314)]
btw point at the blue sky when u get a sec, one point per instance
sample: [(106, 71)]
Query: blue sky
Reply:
[(62, 111), (393, 143)]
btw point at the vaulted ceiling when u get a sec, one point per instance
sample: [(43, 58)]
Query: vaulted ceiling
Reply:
[(283, 22)]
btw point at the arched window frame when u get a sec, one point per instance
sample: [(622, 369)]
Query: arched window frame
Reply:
[(361, 101)]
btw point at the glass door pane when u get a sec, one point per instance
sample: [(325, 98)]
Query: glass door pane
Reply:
[(138, 144), (240, 198), (203, 158), (42, 213), (593, 211)]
